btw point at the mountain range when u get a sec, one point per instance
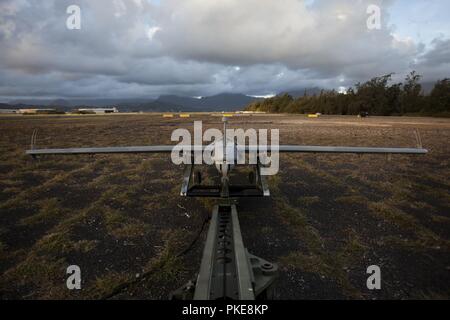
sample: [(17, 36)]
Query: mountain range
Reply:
[(173, 103), (164, 103)]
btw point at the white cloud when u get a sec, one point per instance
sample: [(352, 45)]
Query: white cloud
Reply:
[(266, 96), (198, 47), (265, 31), (120, 8), (152, 31)]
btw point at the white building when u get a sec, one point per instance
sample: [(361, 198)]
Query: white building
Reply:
[(97, 110), (37, 111)]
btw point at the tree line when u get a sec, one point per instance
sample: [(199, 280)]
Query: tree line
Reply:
[(376, 97)]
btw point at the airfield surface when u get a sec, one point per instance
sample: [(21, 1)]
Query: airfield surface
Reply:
[(121, 219)]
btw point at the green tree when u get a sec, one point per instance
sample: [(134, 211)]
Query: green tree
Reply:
[(376, 96), (439, 100), (412, 99)]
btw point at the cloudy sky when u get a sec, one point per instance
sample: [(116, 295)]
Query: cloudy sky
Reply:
[(145, 48)]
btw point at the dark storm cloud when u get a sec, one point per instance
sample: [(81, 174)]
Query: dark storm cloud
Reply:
[(435, 63), (439, 55), (131, 48)]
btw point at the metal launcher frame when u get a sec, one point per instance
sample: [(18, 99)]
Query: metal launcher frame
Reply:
[(191, 188), (228, 271)]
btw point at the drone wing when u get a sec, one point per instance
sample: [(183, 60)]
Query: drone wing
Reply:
[(281, 149), (106, 150), (325, 149)]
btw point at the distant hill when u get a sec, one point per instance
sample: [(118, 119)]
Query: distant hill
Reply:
[(220, 102), (297, 93), (147, 106), (185, 103), (5, 106), (171, 103), (73, 102), (227, 102)]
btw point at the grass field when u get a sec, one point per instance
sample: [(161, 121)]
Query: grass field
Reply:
[(120, 218)]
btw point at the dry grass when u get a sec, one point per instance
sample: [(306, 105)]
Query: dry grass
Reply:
[(118, 216)]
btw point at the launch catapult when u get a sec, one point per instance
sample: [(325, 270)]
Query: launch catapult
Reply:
[(227, 269)]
